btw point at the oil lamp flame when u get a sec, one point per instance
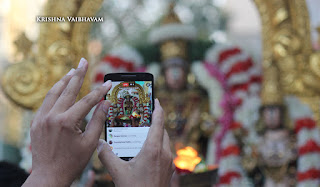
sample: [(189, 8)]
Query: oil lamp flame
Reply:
[(187, 159)]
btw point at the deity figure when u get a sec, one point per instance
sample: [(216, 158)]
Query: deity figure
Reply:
[(128, 105), (275, 152), (184, 101)]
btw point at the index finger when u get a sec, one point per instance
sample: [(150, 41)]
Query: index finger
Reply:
[(83, 107), (55, 92), (69, 94), (155, 135)]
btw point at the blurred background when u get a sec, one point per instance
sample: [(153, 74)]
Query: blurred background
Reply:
[(234, 29)]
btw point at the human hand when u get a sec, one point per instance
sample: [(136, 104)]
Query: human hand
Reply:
[(91, 179), (153, 166), (60, 150)]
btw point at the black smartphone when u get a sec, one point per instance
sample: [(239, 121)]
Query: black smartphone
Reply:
[(130, 113)]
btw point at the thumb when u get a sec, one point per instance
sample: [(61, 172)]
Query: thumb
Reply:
[(112, 162)]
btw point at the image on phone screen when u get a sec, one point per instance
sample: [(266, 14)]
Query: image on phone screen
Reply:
[(129, 116)]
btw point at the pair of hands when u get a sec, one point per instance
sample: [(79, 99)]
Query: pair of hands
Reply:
[(60, 150)]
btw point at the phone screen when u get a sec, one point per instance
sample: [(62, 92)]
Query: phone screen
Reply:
[(129, 116)]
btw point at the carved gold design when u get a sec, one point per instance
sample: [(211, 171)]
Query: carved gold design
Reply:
[(172, 17), (23, 45), (315, 63), (173, 48), (60, 47), (27, 81), (270, 94), (290, 65)]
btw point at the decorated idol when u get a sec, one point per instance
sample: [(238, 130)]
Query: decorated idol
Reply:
[(285, 151), (204, 96), (185, 102)]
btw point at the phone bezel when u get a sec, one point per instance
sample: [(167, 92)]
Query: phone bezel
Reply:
[(129, 77)]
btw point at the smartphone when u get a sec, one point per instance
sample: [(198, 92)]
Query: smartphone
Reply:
[(129, 116)]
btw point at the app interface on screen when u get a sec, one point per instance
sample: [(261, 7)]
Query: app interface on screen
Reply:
[(129, 116)]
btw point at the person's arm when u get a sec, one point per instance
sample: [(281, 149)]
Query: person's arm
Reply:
[(153, 166), (60, 150), (46, 179)]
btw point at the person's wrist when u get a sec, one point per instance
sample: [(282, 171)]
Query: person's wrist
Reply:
[(47, 178)]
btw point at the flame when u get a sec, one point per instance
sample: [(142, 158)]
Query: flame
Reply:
[(187, 159)]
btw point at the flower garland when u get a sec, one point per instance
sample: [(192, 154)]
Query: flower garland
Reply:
[(230, 169), (240, 79), (225, 101), (227, 150), (308, 137), (214, 88)]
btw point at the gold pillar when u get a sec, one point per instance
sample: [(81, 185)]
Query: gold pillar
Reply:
[(290, 66)]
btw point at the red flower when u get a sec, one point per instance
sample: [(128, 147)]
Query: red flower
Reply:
[(309, 147), (242, 86), (235, 125), (99, 78), (118, 62), (227, 177), (309, 175), (230, 150), (228, 53), (240, 67), (255, 79), (304, 123)]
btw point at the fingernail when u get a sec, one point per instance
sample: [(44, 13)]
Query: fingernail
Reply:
[(100, 145), (106, 84), (81, 63), (71, 72)]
